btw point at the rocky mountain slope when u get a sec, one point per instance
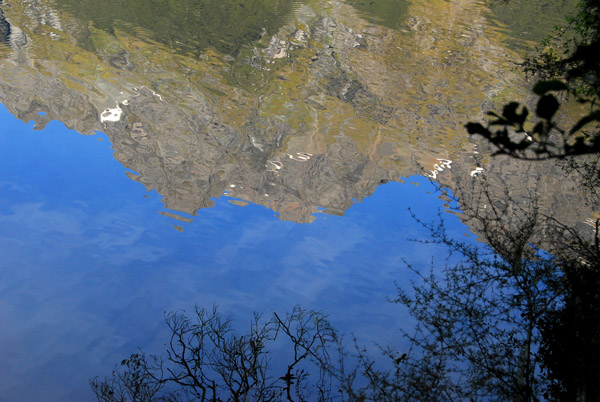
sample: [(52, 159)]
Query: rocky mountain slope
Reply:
[(310, 114)]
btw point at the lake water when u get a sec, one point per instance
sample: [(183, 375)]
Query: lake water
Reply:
[(157, 155)]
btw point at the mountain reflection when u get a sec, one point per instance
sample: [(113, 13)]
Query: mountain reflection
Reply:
[(4, 29), (186, 25), (300, 107)]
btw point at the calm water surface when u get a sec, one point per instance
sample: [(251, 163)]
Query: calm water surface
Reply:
[(157, 155)]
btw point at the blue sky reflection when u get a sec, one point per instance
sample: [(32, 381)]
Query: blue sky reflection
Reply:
[(88, 266)]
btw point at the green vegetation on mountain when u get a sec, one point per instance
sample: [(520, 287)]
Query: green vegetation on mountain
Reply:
[(187, 25), (390, 13), (520, 19)]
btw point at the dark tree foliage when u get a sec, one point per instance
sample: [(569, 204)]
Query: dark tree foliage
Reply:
[(206, 360), (568, 66), (545, 139), (477, 335), (517, 319), (570, 350)]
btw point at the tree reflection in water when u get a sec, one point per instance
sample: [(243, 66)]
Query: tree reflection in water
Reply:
[(491, 326)]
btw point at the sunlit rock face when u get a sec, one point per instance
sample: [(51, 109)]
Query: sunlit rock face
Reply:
[(305, 108)]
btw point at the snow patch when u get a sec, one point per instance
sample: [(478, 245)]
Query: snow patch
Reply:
[(111, 114), (476, 172), (439, 167)]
